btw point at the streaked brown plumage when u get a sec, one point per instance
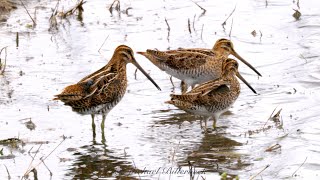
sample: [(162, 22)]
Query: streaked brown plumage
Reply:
[(194, 66), (100, 91), (214, 97)]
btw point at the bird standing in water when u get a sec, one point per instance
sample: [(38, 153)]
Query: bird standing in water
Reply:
[(194, 66), (214, 97), (102, 90)]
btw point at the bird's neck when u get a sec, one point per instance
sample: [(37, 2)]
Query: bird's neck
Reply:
[(231, 77)]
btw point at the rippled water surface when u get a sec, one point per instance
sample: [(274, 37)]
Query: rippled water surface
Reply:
[(146, 138)]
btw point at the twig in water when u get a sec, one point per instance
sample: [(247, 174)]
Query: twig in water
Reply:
[(17, 39), (165, 19), (135, 74), (299, 166), (103, 43), (225, 21), (47, 168), (266, 3), (276, 117), (127, 11), (194, 18), (273, 147), (9, 177), (231, 28), (252, 177), (3, 66), (269, 117), (189, 28), (203, 10), (72, 10), (53, 20), (260, 35), (34, 22), (42, 159), (202, 30), (117, 6), (29, 167)]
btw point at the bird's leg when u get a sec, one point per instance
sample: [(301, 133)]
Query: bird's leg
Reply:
[(171, 81), (93, 128), (103, 138), (214, 122), (205, 123), (184, 87)]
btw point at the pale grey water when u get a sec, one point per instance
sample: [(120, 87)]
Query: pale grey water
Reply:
[(142, 131)]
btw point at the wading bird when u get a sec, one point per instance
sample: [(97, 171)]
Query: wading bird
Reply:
[(214, 97), (102, 90), (194, 66)]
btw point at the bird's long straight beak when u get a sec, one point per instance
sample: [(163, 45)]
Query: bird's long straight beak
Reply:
[(140, 68), (244, 81), (233, 52)]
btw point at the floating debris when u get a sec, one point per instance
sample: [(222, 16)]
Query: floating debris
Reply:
[(254, 33), (273, 148), (296, 14), (10, 141)]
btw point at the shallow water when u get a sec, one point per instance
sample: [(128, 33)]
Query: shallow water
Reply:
[(142, 132)]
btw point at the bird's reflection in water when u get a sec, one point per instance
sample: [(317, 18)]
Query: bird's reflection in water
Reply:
[(96, 161), (214, 151), (217, 153)]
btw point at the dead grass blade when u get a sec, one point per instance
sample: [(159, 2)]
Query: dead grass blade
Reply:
[(252, 177), (9, 177), (203, 9), (34, 22), (294, 173), (4, 64), (225, 21)]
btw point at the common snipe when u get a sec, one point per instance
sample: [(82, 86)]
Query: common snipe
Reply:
[(214, 97), (102, 90), (194, 66)]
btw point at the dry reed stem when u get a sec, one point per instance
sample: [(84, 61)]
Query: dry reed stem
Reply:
[(273, 147), (189, 26), (9, 177), (194, 19), (117, 6), (3, 66), (34, 22), (225, 21), (203, 10), (168, 28), (252, 177), (299, 166), (41, 160), (202, 30), (231, 28), (72, 10)]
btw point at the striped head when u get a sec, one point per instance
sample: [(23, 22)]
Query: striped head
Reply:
[(230, 69), (225, 47), (125, 53)]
